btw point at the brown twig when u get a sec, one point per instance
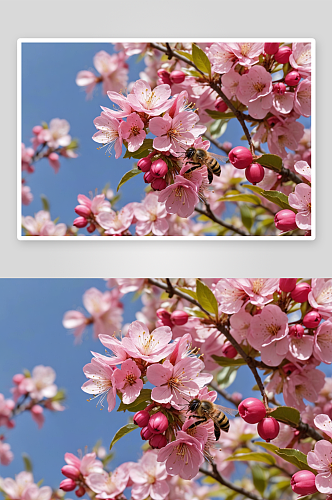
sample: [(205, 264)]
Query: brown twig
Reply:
[(208, 213), (224, 394)]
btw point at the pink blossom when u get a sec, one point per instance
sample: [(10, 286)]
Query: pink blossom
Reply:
[(283, 103), (240, 324), (85, 466), (175, 384), (254, 90), (301, 348), (108, 485), (151, 217), (116, 347), (109, 133), (323, 422), (151, 347), (6, 455), (177, 133), (86, 79), (99, 204), (285, 135), (149, 478), (183, 456), (127, 285), (221, 57), (6, 407), (303, 385), (113, 69), (302, 99), (128, 380), (320, 296), (105, 309), (121, 101), (42, 378), (57, 133), (75, 320), (37, 415), (133, 131), (323, 342), (321, 460), (300, 199), (33, 492), (27, 155), (27, 196), (247, 53), (230, 82), (152, 102), (268, 333), (131, 49), (42, 225), (230, 295), (15, 488), (303, 169), (180, 198), (101, 382), (116, 222), (260, 290), (300, 58)]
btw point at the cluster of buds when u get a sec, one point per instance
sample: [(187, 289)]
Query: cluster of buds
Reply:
[(154, 171), (241, 158), (176, 318), (74, 480), (253, 411), (175, 77), (85, 214), (299, 292), (153, 427)]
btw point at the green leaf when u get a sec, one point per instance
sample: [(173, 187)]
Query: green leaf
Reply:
[(73, 144), (272, 161), (218, 115), (189, 292), (255, 189), (26, 373), (195, 311), (223, 361), (27, 462), (246, 216), (60, 395), (206, 298), (40, 483), (267, 446), (295, 457), (142, 152), (185, 54), (255, 456), (122, 432), (278, 198), (142, 400), (128, 175), (200, 59), (44, 125), (226, 377), (45, 203), (248, 198), (259, 478), (286, 415)]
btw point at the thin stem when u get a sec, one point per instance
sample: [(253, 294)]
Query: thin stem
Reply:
[(208, 213), (224, 394)]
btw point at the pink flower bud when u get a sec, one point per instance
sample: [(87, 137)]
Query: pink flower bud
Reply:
[(37, 410), (296, 331), (163, 314), (159, 168), (220, 105), (292, 78), (268, 428), (307, 156), (252, 410), (146, 433), (301, 292), (17, 379), (255, 173), (228, 350), (287, 284), (240, 157), (279, 88), (91, 227), (312, 319), (158, 184), (272, 121), (158, 441), (144, 164), (164, 76), (289, 368), (80, 222), (148, 177), (285, 220), (83, 211), (283, 54), (37, 129), (53, 159), (303, 483), (158, 423), (271, 48), (177, 76), (67, 485), (71, 472), (179, 318), (80, 491), (141, 418)]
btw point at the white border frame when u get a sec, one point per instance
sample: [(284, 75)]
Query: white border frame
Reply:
[(20, 237)]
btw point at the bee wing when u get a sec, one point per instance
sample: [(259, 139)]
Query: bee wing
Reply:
[(229, 411), (221, 158)]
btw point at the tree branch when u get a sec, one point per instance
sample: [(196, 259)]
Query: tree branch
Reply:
[(208, 213)]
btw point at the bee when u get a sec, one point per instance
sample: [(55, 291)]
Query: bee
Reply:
[(205, 410), (200, 157)]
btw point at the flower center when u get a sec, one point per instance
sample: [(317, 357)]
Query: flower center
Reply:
[(130, 379), (273, 329), (259, 86), (245, 49), (257, 285), (135, 130), (304, 57)]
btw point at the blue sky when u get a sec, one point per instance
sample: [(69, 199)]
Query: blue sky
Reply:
[(49, 91)]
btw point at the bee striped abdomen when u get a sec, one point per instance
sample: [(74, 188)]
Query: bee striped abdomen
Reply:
[(214, 166), (223, 422)]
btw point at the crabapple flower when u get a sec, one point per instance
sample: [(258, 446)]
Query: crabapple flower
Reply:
[(101, 382), (247, 53), (6, 407), (42, 378), (284, 135), (88, 80), (151, 347), (116, 347), (15, 488), (230, 295), (230, 82), (121, 101), (33, 492), (57, 133), (300, 199), (268, 333), (283, 103), (116, 222), (221, 57), (303, 169), (240, 323), (302, 98), (85, 466), (320, 296), (133, 131), (151, 102), (108, 485), (321, 460), (27, 196), (260, 290), (128, 381), (176, 383), (151, 216), (27, 155), (183, 456), (300, 346), (149, 478), (109, 133), (323, 342), (6, 455), (113, 70), (42, 225), (254, 90), (300, 58), (303, 385), (180, 198), (323, 422)]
